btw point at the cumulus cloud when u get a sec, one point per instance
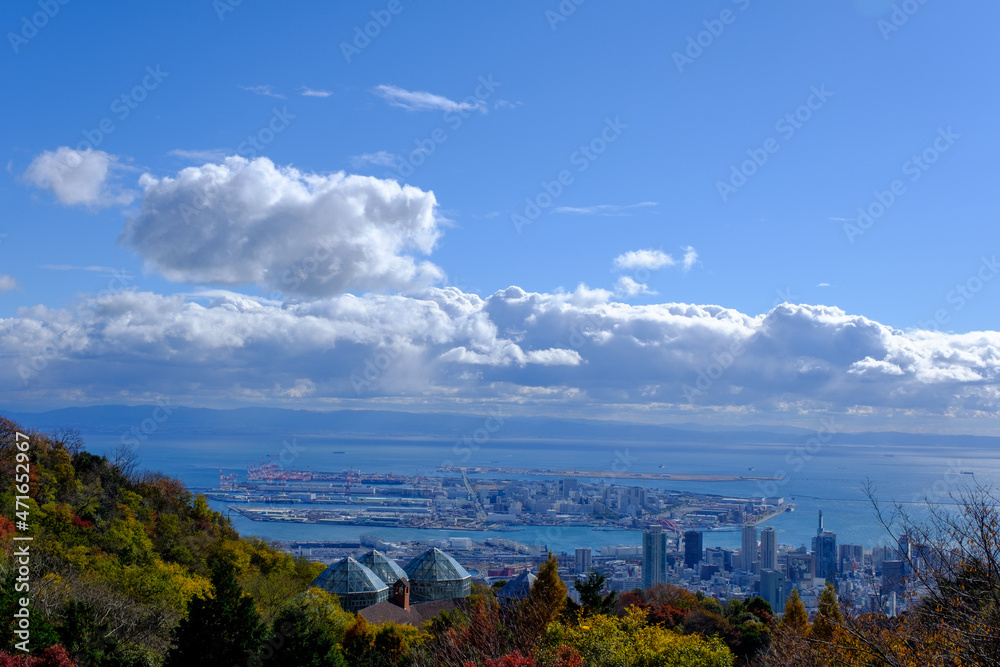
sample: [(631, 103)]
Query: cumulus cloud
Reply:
[(644, 259), (418, 100), (564, 351), (8, 284), (77, 177), (251, 222), (651, 260), (629, 287)]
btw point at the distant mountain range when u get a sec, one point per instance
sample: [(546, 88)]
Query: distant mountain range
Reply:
[(187, 421)]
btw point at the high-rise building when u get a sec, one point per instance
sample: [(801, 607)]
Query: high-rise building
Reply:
[(583, 560), (692, 548), (893, 576), (772, 589), (748, 549), (824, 547), (850, 556), (654, 556), (819, 528), (801, 567), (769, 549)]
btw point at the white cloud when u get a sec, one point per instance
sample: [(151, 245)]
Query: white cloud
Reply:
[(8, 284), (418, 100), (823, 285), (567, 351), (644, 259), (690, 258), (264, 90), (250, 222), (612, 210), (201, 155), (379, 159), (77, 177), (311, 92), (628, 287)]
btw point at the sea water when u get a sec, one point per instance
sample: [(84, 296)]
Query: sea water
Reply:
[(831, 477)]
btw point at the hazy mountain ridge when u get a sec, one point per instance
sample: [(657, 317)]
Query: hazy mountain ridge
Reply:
[(115, 419)]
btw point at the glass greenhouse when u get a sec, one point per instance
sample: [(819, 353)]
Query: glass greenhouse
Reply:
[(386, 568), (434, 575), (518, 587), (355, 585)]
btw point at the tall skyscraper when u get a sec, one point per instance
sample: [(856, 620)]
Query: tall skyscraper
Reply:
[(748, 549), (824, 547), (583, 560), (654, 556), (819, 529), (772, 589), (769, 549), (692, 548)]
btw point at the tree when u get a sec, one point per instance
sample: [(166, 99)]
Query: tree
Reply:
[(223, 629), (542, 606), (795, 618), (829, 618), (590, 594)]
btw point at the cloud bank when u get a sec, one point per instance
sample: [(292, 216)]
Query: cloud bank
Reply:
[(442, 348)]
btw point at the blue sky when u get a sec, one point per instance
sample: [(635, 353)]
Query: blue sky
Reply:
[(645, 111)]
